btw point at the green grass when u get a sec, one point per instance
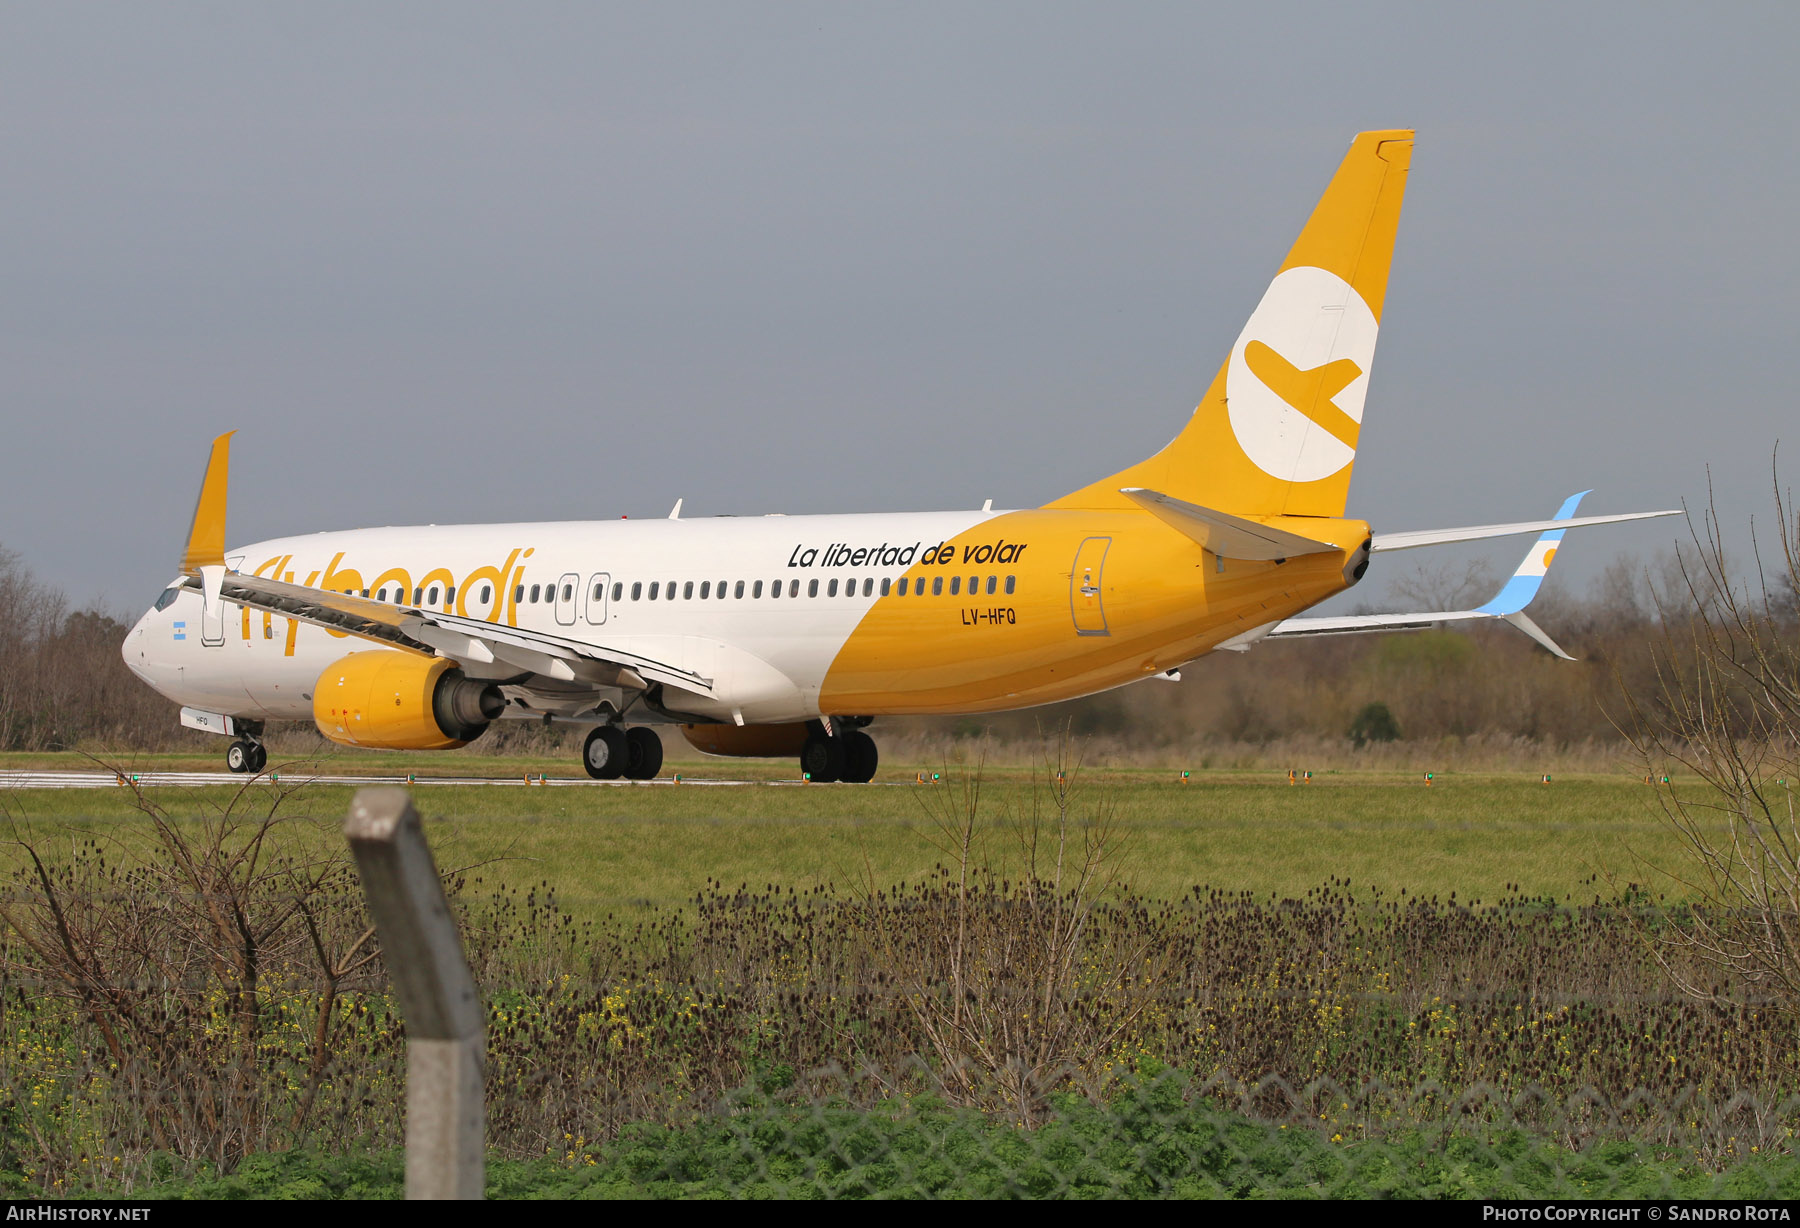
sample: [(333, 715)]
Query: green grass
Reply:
[(1140, 1146), (626, 847)]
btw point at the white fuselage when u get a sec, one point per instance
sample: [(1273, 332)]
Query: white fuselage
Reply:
[(765, 655)]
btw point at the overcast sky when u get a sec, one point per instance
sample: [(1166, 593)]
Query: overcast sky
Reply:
[(447, 262)]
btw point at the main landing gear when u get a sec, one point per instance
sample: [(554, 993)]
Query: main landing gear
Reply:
[(850, 756), (611, 752)]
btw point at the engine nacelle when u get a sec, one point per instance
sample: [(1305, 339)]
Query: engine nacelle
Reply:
[(400, 701), (747, 741)]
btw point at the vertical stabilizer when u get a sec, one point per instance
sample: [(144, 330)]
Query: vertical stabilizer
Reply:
[(1277, 431)]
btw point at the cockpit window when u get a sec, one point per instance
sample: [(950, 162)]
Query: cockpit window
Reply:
[(167, 597)]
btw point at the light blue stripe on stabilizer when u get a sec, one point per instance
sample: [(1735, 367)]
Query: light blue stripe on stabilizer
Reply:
[(1522, 587)]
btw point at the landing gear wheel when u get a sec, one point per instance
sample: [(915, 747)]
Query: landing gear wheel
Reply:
[(259, 757), (643, 753), (860, 757), (822, 758), (604, 754), (239, 756)]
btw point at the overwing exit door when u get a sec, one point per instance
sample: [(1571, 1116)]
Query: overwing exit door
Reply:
[(566, 589)]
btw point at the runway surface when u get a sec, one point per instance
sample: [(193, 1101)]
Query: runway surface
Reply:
[(107, 780)]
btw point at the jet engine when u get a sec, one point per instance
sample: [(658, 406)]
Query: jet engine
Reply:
[(747, 741), (401, 701)]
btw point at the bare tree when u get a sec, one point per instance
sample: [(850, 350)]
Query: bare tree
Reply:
[(1723, 712)]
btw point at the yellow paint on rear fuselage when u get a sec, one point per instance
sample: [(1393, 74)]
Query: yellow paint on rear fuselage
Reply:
[(1165, 601)]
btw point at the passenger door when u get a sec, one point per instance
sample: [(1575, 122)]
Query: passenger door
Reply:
[(597, 596), (1085, 602)]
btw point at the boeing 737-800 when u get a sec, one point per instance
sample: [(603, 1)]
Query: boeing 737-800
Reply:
[(789, 634)]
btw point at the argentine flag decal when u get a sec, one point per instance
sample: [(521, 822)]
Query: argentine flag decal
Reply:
[(1526, 581), (181, 631)]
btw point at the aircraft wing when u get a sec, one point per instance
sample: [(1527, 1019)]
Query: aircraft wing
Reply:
[(481, 648), (1508, 604)]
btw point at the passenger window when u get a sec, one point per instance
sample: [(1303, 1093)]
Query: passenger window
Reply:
[(812, 588), (598, 589), (955, 585), (418, 596), (518, 594), (534, 593), (974, 585), (1009, 584), (450, 595), (869, 586), (432, 599), (794, 587), (381, 596), (937, 586), (687, 591), (775, 589), (705, 589), (886, 584), (991, 582), (739, 592), (755, 592), (722, 584), (654, 585), (637, 587), (487, 591), (831, 589), (365, 592), (618, 588), (669, 593)]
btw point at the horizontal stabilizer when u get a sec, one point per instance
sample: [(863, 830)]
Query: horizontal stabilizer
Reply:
[(1227, 536), (1437, 537)]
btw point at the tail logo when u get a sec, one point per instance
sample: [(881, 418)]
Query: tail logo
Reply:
[(1298, 374)]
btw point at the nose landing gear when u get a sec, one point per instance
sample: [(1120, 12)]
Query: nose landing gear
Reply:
[(247, 756)]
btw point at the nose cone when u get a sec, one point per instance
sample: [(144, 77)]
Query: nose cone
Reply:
[(132, 647), (139, 656)]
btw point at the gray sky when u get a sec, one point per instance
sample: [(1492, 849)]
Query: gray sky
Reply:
[(478, 262)]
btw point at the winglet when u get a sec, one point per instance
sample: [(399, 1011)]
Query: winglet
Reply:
[(1518, 619), (206, 537), (1519, 591)]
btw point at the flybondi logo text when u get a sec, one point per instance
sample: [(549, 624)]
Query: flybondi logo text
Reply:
[(1294, 390)]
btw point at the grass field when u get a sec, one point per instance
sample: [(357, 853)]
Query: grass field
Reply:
[(624, 848)]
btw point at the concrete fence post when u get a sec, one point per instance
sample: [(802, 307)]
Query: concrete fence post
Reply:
[(445, 1045)]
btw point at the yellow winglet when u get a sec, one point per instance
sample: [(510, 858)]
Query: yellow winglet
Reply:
[(206, 538)]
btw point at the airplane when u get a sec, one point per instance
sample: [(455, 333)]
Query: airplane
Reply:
[(788, 635)]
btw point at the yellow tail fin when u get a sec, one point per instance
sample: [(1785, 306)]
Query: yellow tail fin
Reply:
[(1276, 433)]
